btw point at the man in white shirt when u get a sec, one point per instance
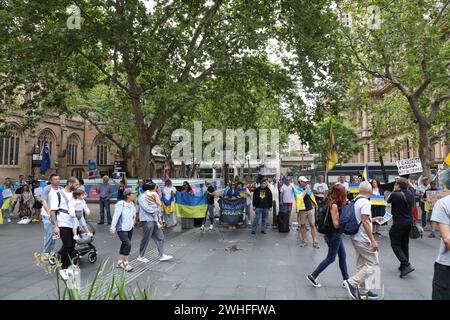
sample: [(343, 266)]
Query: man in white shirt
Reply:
[(63, 223), (320, 190), (343, 182), (365, 246), (47, 192)]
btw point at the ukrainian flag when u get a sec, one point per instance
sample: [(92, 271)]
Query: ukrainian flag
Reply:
[(353, 188), (299, 199), (168, 205), (377, 200), (189, 206), (366, 173)]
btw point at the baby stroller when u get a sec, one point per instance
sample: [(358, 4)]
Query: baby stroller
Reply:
[(83, 247)]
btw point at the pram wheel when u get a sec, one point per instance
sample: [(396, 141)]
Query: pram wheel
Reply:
[(52, 260), (92, 257)]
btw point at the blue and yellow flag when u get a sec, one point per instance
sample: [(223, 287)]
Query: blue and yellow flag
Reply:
[(365, 174), (189, 206), (353, 188), (299, 202), (168, 205), (377, 200)]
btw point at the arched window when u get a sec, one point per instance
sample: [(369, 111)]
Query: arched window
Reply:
[(9, 148), (73, 147), (49, 136), (102, 151)]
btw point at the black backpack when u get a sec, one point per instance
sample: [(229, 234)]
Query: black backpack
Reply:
[(323, 222)]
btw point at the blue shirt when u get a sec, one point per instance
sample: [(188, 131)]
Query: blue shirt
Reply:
[(105, 191), (146, 210), (124, 215)]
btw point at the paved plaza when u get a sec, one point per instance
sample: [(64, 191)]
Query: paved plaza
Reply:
[(220, 264)]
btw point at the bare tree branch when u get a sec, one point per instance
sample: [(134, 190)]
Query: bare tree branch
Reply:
[(189, 58), (426, 81), (436, 104), (106, 73), (121, 147)]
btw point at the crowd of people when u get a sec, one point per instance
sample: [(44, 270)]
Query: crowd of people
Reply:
[(63, 210)]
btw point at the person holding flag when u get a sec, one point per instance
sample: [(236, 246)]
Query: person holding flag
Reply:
[(168, 204), (46, 158)]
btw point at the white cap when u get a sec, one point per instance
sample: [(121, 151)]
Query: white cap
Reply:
[(303, 179)]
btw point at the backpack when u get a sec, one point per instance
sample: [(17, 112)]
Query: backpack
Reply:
[(347, 219), (323, 221), (59, 202)]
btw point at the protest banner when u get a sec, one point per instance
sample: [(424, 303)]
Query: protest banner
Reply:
[(353, 188), (376, 200), (408, 166), (232, 210)]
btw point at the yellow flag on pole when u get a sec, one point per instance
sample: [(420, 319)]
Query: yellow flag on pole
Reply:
[(332, 154), (447, 159)]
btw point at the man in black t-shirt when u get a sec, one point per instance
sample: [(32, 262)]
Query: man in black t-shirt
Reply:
[(402, 204), (211, 205)]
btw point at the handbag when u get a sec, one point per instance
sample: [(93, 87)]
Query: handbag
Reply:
[(415, 232), (324, 223)]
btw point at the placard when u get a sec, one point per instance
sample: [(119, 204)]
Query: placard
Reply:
[(433, 196), (408, 166)]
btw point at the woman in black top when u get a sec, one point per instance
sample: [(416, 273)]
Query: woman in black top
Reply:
[(402, 202), (337, 199)]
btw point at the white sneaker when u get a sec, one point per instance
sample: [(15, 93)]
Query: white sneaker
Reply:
[(127, 267), (90, 234), (142, 259), (202, 227), (165, 258), (9, 220), (63, 274), (211, 227)]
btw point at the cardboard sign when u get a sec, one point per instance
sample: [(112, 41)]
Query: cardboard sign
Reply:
[(408, 166), (433, 196)]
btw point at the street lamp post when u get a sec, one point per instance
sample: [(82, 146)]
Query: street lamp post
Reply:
[(248, 157)]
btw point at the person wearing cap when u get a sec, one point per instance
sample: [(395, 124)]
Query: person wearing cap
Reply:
[(306, 214), (122, 224)]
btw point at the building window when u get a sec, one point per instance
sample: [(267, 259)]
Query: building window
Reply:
[(72, 153), (73, 144), (346, 19), (102, 154), (46, 135), (9, 148)]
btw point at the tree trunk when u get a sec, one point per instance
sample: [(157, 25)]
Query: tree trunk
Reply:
[(424, 146), (383, 169), (125, 157)]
